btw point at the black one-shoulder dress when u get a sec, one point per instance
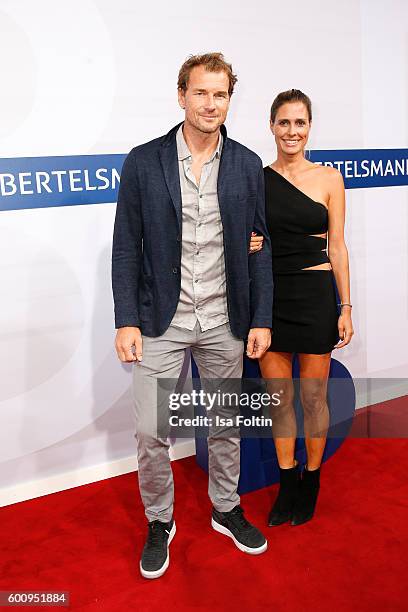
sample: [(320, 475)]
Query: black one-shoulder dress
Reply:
[(305, 311)]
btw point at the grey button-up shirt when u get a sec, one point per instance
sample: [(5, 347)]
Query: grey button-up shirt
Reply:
[(203, 286)]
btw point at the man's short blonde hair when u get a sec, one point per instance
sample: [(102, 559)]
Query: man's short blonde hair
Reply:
[(213, 62)]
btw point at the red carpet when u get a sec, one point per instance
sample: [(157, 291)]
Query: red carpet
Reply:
[(352, 556)]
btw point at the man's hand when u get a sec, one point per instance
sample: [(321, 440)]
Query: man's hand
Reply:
[(259, 340), (126, 339)]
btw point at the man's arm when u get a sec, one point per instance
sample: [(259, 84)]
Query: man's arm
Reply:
[(260, 266), (126, 261), (261, 288)]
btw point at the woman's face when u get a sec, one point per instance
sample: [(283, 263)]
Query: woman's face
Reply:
[(291, 128)]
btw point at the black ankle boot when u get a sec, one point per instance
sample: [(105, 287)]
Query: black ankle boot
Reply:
[(305, 502), (282, 508)]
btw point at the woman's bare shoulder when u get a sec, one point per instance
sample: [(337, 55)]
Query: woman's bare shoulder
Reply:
[(330, 173), (331, 177)]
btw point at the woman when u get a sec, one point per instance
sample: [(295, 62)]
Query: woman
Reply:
[(305, 212)]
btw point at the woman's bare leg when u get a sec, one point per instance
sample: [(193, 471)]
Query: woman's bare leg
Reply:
[(276, 369), (314, 372)]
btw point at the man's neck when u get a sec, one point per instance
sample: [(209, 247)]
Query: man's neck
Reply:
[(200, 144)]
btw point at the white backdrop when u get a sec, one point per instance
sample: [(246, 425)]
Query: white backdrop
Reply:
[(96, 77)]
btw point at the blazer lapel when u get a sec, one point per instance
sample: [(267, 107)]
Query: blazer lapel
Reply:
[(169, 162), (223, 174)]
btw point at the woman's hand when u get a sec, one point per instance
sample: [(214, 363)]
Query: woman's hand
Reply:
[(256, 243), (345, 326)]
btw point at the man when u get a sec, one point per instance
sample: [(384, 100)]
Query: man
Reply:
[(182, 277)]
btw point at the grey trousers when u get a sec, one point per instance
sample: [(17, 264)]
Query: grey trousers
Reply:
[(218, 355)]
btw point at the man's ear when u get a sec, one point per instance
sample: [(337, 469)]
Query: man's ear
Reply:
[(271, 126), (181, 98)]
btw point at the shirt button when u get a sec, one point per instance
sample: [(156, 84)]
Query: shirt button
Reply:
[(196, 280), (201, 195)]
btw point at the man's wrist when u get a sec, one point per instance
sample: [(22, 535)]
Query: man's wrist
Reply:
[(128, 322), (261, 324)]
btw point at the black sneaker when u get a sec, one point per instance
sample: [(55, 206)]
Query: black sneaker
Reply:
[(234, 524), (155, 556)]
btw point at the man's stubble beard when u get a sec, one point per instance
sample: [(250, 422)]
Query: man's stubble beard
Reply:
[(209, 130), (203, 129)]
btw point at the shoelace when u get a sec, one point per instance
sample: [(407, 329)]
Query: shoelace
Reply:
[(156, 535), (238, 519)]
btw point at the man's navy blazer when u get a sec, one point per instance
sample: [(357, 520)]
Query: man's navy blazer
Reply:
[(146, 254)]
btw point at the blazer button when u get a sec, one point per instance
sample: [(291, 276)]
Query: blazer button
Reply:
[(175, 270), (178, 239)]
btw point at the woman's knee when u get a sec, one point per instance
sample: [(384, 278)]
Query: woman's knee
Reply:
[(313, 397)]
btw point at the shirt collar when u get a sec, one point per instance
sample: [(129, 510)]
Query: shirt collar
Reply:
[(183, 152)]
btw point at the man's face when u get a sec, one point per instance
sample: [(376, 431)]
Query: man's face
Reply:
[(206, 100)]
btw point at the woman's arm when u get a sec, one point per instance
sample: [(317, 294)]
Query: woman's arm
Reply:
[(256, 243), (338, 254)]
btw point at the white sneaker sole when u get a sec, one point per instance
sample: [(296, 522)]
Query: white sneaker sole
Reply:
[(160, 572), (247, 549)]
